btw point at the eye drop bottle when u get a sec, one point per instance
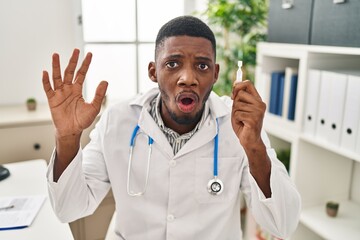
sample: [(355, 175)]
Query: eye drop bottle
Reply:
[(239, 73)]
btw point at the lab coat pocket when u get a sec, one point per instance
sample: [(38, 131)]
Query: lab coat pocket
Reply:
[(229, 172)]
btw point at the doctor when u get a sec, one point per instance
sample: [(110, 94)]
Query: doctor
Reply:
[(192, 151)]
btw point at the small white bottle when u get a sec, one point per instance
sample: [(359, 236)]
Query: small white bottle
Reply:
[(239, 73)]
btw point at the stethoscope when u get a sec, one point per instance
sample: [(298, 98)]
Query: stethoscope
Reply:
[(215, 186)]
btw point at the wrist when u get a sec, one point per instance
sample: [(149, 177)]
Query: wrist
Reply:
[(67, 135), (67, 147), (257, 147), (257, 156)]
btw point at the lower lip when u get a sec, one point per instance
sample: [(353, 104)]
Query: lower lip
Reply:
[(186, 108)]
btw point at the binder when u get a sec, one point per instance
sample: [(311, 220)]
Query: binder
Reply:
[(276, 80), (292, 99), (288, 87), (312, 100), (357, 146), (263, 84), (267, 86), (351, 120), (281, 94), (338, 84), (322, 122)]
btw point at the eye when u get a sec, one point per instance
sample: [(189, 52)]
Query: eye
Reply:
[(203, 66), (172, 64)]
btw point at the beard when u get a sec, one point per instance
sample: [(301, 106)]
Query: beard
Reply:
[(184, 120)]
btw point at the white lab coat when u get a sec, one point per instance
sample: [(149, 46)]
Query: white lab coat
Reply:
[(176, 204)]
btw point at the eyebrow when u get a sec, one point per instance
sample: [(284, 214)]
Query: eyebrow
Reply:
[(202, 58)]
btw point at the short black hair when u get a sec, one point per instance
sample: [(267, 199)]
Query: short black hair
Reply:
[(185, 26)]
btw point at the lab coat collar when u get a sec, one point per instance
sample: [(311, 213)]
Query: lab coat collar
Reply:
[(205, 134)]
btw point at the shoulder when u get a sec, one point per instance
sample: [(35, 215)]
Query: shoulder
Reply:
[(219, 105), (127, 111)]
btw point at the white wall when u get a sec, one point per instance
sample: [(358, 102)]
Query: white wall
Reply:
[(30, 31)]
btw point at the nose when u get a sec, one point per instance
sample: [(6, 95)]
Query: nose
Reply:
[(187, 78)]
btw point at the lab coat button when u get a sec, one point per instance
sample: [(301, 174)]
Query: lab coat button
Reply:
[(172, 163), (170, 218)]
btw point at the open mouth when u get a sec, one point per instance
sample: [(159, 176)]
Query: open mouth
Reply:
[(187, 102)]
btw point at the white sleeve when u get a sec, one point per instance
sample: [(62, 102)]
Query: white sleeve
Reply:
[(84, 183), (279, 214)]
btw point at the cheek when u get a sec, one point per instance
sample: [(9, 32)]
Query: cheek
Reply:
[(164, 94)]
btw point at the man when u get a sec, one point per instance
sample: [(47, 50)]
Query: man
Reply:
[(204, 149)]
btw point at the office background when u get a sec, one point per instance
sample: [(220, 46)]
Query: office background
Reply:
[(32, 30)]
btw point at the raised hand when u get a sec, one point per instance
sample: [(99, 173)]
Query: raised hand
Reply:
[(70, 113), (247, 118), (247, 113)]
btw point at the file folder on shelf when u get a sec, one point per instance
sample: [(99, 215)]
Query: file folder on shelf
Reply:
[(292, 99), (263, 87), (338, 83), (276, 92), (281, 94), (312, 100), (289, 73), (351, 121), (331, 106), (357, 147), (323, 123)]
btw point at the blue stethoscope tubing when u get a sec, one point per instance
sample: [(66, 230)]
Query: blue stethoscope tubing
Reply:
[(132, 145), (215, 185)]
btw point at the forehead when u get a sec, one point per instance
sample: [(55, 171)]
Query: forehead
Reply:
[(186, 45)]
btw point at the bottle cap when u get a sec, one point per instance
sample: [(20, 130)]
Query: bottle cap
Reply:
[(239, 63)]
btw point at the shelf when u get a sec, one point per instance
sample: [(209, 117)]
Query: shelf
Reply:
[(281, 50), (287, 50), (320, 169), (345, 226), (16, 115), (280, 127), (330, 147)]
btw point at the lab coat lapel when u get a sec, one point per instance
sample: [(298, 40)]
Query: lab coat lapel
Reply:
[(204, 135), (219, 107), (149, 126)]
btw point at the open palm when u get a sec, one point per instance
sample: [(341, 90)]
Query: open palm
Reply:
[(70, 113)]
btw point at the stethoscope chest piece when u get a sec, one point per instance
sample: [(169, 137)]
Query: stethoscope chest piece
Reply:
[(215, 186)]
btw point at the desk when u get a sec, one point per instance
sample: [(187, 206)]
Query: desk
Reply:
[(29, 178)]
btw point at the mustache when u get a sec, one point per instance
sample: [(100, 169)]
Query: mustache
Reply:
[(190, 93)]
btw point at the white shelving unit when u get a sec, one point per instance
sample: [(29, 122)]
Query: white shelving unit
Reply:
[(322, 171)]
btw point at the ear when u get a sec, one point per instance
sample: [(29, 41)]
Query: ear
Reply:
[(152, 71), (217, 70)]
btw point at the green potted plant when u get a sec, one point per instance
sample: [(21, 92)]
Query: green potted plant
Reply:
[(238, 25), (284, 156), (332, 208), (31, 104)]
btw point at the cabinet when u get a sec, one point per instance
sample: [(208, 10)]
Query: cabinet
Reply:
[(26, 135), (322, 171)]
